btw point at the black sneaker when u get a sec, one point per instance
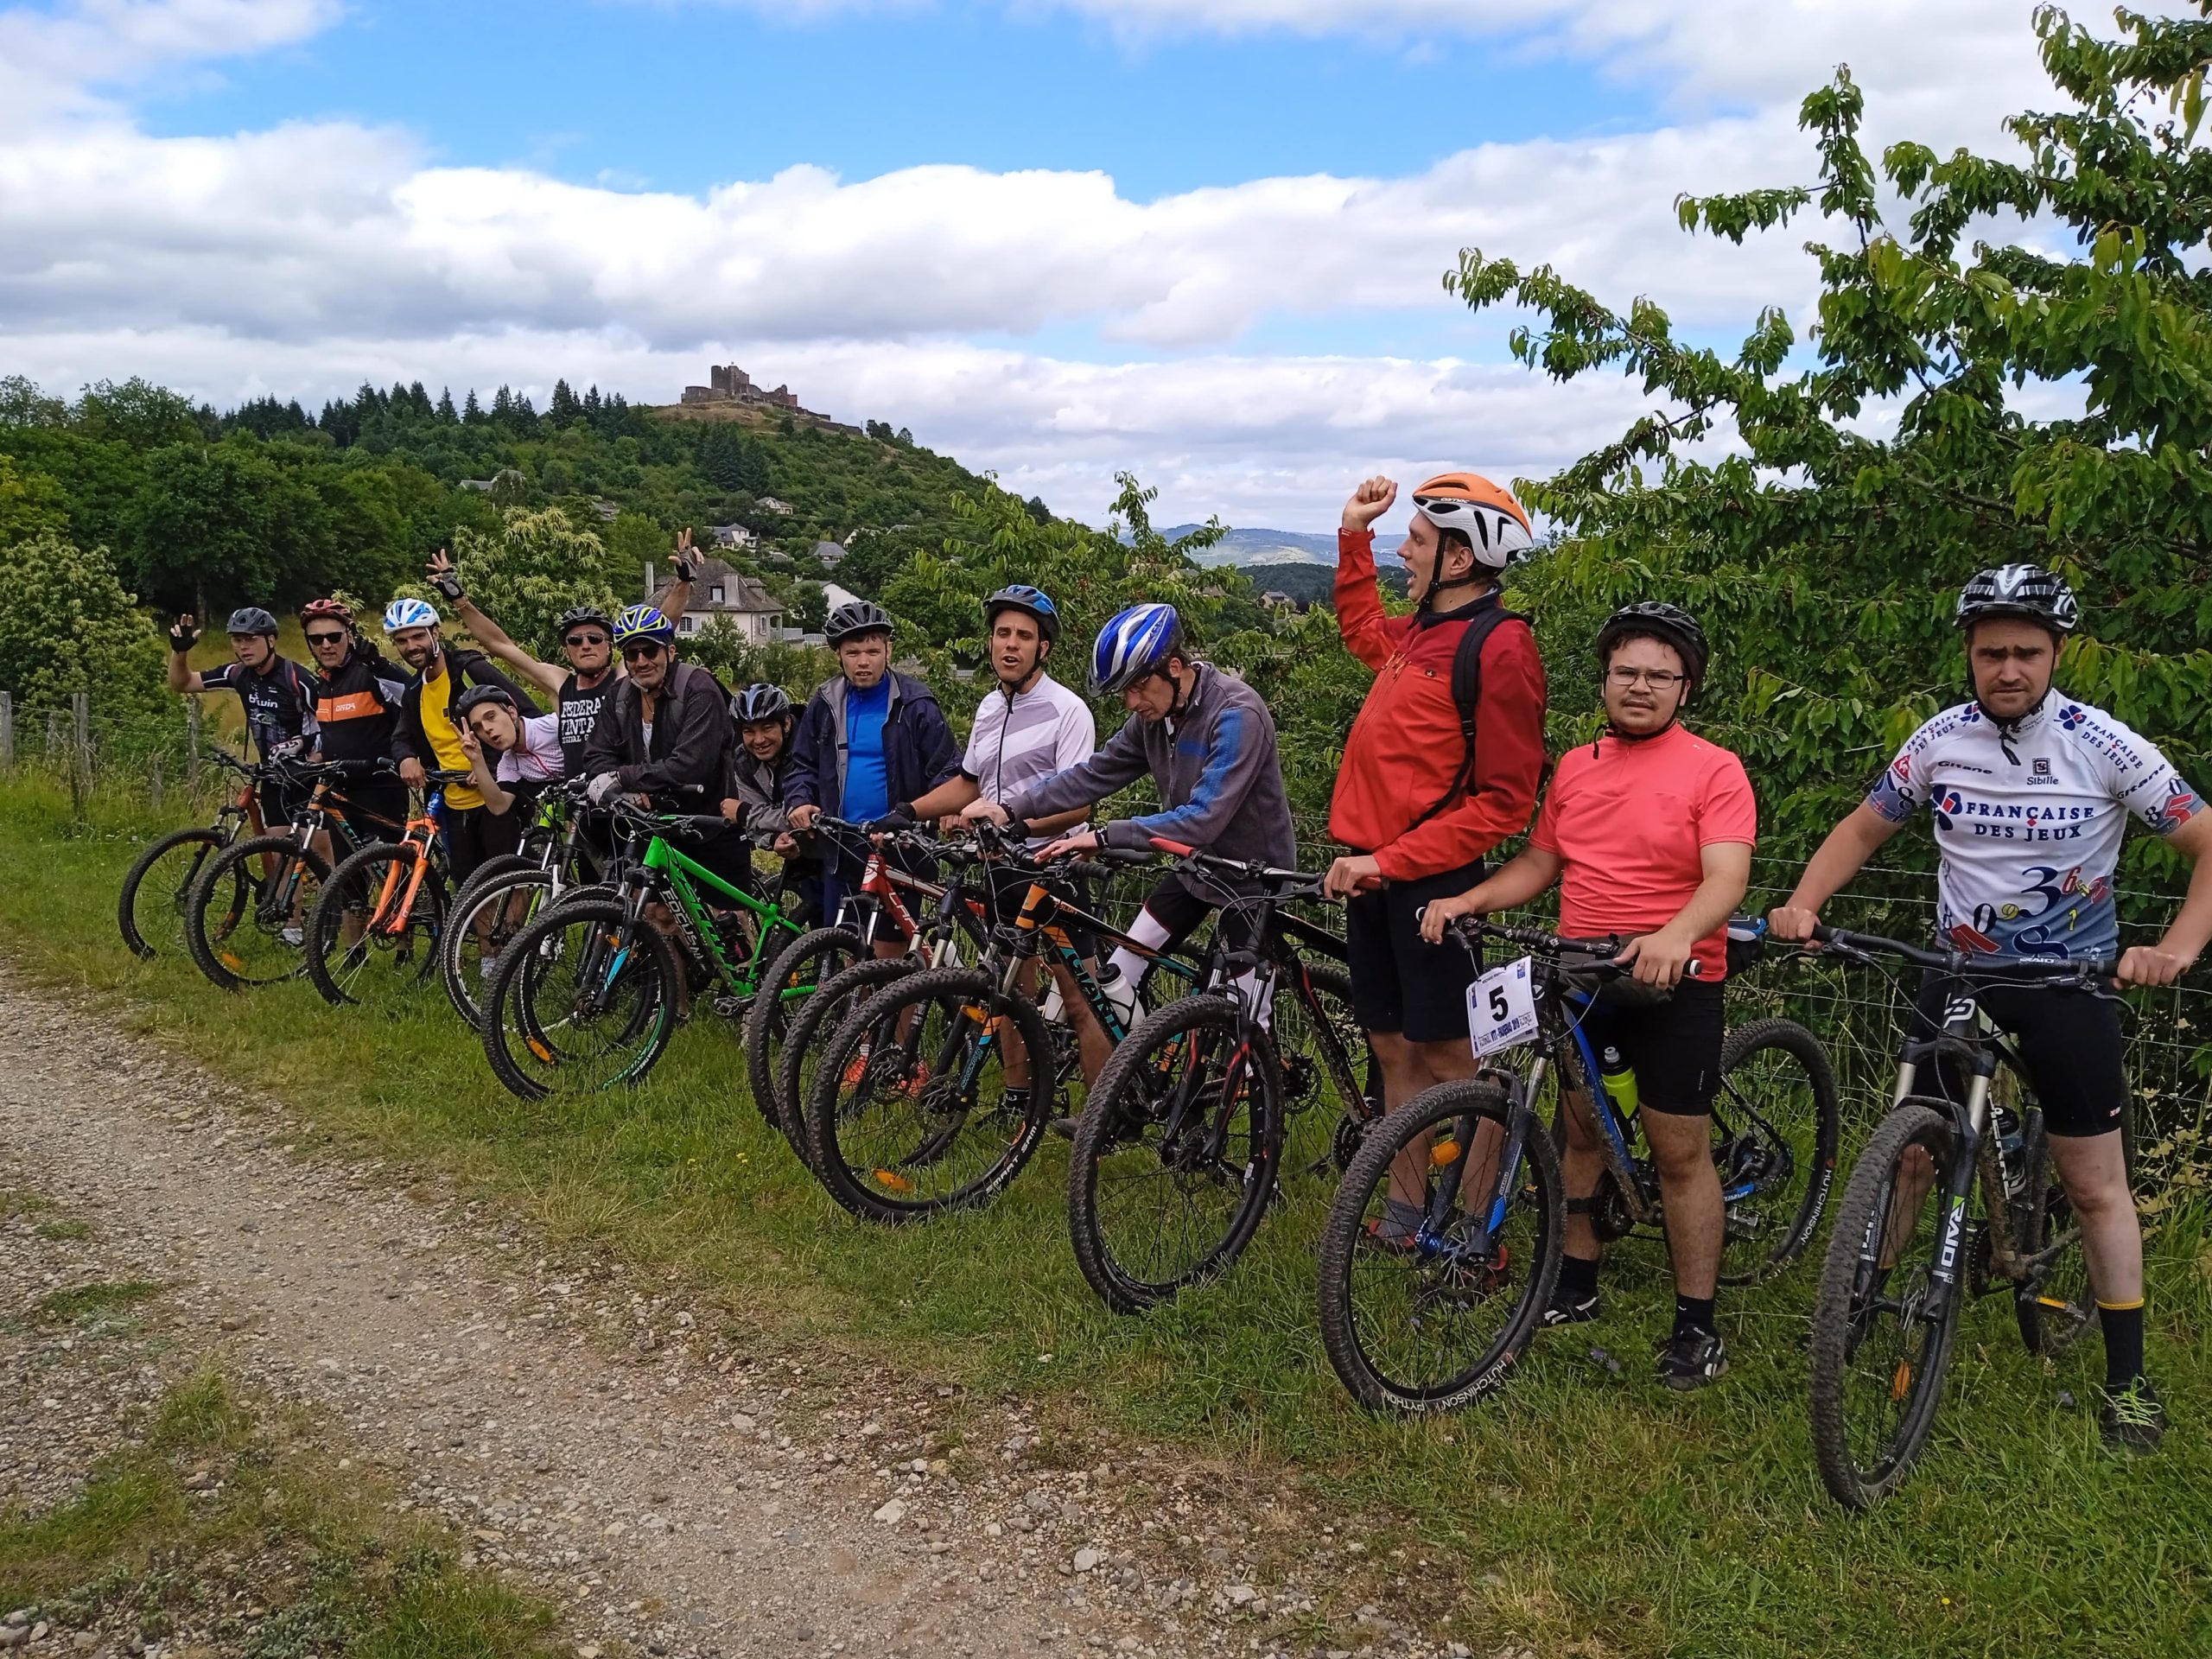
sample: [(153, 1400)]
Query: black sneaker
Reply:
[(1691, 1359), (1565, 1312), (2134, 1417)]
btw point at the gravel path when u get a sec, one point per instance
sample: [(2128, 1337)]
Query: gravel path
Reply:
[(594, 1437)]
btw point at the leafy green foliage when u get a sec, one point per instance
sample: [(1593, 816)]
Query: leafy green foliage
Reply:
[(66, 625), (532, 568), (1926, 432)]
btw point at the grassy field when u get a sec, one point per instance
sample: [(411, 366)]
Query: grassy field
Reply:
[(1582, 1507)]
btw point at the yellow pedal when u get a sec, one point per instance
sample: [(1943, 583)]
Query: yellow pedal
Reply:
[(2053, 1301)]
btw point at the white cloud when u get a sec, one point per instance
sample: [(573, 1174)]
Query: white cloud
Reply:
[(50, 60)]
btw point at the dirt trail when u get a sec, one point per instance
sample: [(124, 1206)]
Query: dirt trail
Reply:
[(666, 1491)]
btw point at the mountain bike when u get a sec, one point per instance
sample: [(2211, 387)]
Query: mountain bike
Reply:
[(1437, 1317), (1950, 1200), (1178, 1153), (588, 996), (245, 917), (838, 964), (152, 904), (933, 1094), (506, 893), (377, 924)]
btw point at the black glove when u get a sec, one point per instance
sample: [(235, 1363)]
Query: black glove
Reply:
[(181, 636), (1017, 829), (900, 816), (687, 564), (449, 583)]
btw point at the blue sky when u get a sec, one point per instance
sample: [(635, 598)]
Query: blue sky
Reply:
[(1198, 239)]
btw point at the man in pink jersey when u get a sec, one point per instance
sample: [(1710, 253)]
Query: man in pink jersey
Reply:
[(1649, 833)]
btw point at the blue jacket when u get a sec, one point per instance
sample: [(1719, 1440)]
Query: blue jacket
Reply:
[(918, 752)]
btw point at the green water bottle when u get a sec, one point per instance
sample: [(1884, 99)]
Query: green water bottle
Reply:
[(1618, 1078)]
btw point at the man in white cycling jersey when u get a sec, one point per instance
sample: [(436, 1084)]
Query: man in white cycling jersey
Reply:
[(2030, 790)]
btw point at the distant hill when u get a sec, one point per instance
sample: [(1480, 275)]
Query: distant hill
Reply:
[(1245, 549)]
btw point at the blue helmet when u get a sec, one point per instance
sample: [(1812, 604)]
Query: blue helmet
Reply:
[(1133, 643), (1020, 596), (408, 613), (643, 622)]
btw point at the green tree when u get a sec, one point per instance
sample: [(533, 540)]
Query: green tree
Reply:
[(66, 625), (29, 505), (137, 413), (1913, 448), (533, 568)]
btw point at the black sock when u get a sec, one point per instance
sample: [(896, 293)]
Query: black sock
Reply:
[(2123, 1328), (1694, 1315), (1578, 1280)]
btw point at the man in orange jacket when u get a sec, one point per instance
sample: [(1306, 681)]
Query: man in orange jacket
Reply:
[(1418, 804)]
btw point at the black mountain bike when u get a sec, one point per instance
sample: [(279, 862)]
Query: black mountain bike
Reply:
[(1437, 1317), (1179, 1150), (1950, 1200), (506, 893), (151, 911)]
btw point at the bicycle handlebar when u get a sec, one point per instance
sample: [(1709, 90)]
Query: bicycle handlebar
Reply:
[(2043, 970)]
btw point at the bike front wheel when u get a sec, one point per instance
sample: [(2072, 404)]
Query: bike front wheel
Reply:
[(375, 932), (583, 1000), (1430, 1290), (1883, 1322), (1177, 1153), (925, 1100), (791, 982), (1775, 1123), (245, 919), (151, 911)]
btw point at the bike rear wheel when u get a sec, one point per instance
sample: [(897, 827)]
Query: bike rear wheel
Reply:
[(487, 916), (151, 911), (1419, 1317), (248, 897), (923, 1124), (583, 1000), (1328, 1064), (2056, 1304), (791, 982), (1177, 1153), (1879, 1348), (370, 940), (1775, 1123)]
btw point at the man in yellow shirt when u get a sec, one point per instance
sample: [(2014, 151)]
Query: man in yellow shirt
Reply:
[(430, 728)]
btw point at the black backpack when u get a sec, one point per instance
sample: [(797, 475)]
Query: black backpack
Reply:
[(1467, 693)]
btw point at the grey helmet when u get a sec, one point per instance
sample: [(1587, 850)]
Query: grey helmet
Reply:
[(2028, 591), (856, 616)]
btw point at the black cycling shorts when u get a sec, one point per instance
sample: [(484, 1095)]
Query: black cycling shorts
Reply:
[(373, 811), (1673, 1046), (282, 801), (2070, 1040), (1401, 982), (1007, 891), (1181, 912), (474, 833)]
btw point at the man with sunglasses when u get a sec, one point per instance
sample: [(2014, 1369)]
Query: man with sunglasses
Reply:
[(359, 698), (587, 636), (1441, 764)]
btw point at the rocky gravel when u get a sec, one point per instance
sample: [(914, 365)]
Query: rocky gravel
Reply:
[(675, 1485)]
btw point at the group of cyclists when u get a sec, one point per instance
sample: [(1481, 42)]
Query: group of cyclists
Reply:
[(1648, 831)]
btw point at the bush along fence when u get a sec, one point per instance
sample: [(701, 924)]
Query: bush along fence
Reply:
[(155, 757)]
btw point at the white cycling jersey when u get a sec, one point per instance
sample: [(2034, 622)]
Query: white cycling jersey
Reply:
[(2028, 819)]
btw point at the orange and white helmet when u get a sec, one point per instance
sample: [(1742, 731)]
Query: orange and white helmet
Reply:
[(1486, 514)]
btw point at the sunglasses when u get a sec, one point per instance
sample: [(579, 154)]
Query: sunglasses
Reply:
[(326, 638), (585, 640), (645, 653)]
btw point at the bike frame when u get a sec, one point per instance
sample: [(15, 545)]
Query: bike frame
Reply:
[(668, 870), (423, 832)]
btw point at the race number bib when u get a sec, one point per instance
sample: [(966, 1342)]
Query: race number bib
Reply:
[(1501, 1008)]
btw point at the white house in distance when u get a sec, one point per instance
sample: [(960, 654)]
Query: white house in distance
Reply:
[(756, 613)]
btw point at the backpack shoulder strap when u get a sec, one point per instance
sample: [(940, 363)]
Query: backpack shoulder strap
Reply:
[(1467, 695)]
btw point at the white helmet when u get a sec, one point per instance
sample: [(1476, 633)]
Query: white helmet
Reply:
[(408, 613)]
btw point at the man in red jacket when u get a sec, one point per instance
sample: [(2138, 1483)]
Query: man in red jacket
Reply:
[(1418, 811)]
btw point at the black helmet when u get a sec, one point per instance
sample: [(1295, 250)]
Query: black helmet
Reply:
[(760, 701), (856, 616), (1020, 596), (1660, 620), (2022, 590), (576, 614), (477, 696), (251, 619)]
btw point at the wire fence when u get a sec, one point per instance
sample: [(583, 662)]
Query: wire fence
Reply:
[(161, 759)]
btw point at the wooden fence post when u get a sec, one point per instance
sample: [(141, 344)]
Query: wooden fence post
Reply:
[(153, 781), (80, 752), (192, 743), (53, 736), (649, 582), (7, 734)]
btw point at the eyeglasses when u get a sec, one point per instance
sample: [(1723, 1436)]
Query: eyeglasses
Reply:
[(585, 640), (326, 638), (1659, 679), (642, 652)]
